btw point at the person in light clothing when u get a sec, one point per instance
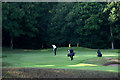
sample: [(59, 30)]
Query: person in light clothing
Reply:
[(54, 49)]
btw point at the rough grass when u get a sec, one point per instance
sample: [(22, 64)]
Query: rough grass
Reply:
[(55, 73)]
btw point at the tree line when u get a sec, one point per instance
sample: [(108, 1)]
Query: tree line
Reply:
[(36, 25)]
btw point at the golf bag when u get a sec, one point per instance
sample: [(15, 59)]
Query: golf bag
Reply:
[(99, 53)]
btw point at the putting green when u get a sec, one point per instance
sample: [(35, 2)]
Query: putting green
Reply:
[(84, 59)]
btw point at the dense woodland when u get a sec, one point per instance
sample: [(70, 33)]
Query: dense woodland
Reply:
[(37, 25)]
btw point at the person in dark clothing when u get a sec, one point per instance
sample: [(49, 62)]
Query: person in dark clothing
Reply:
[(71, 54), (99, 53)]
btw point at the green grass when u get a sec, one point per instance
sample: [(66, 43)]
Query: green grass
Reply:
[(85, 58)]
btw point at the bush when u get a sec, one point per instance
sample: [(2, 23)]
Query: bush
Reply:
[(119, 51)]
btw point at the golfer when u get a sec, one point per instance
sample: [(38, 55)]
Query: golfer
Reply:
[(71, 54), (54, 49)]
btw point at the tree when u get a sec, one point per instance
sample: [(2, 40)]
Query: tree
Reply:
[(60, 31), (90, 20), (113, 10), (18, 20), (77, 24)]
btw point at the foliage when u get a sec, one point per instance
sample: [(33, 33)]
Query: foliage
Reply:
[(39, 25), (112, 10)]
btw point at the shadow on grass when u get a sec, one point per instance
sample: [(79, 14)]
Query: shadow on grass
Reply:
[(5, 64)]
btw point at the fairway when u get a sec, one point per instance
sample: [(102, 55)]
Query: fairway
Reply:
[(84, 59)]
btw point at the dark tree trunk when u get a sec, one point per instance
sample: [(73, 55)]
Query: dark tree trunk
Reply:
[(11, 43)]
